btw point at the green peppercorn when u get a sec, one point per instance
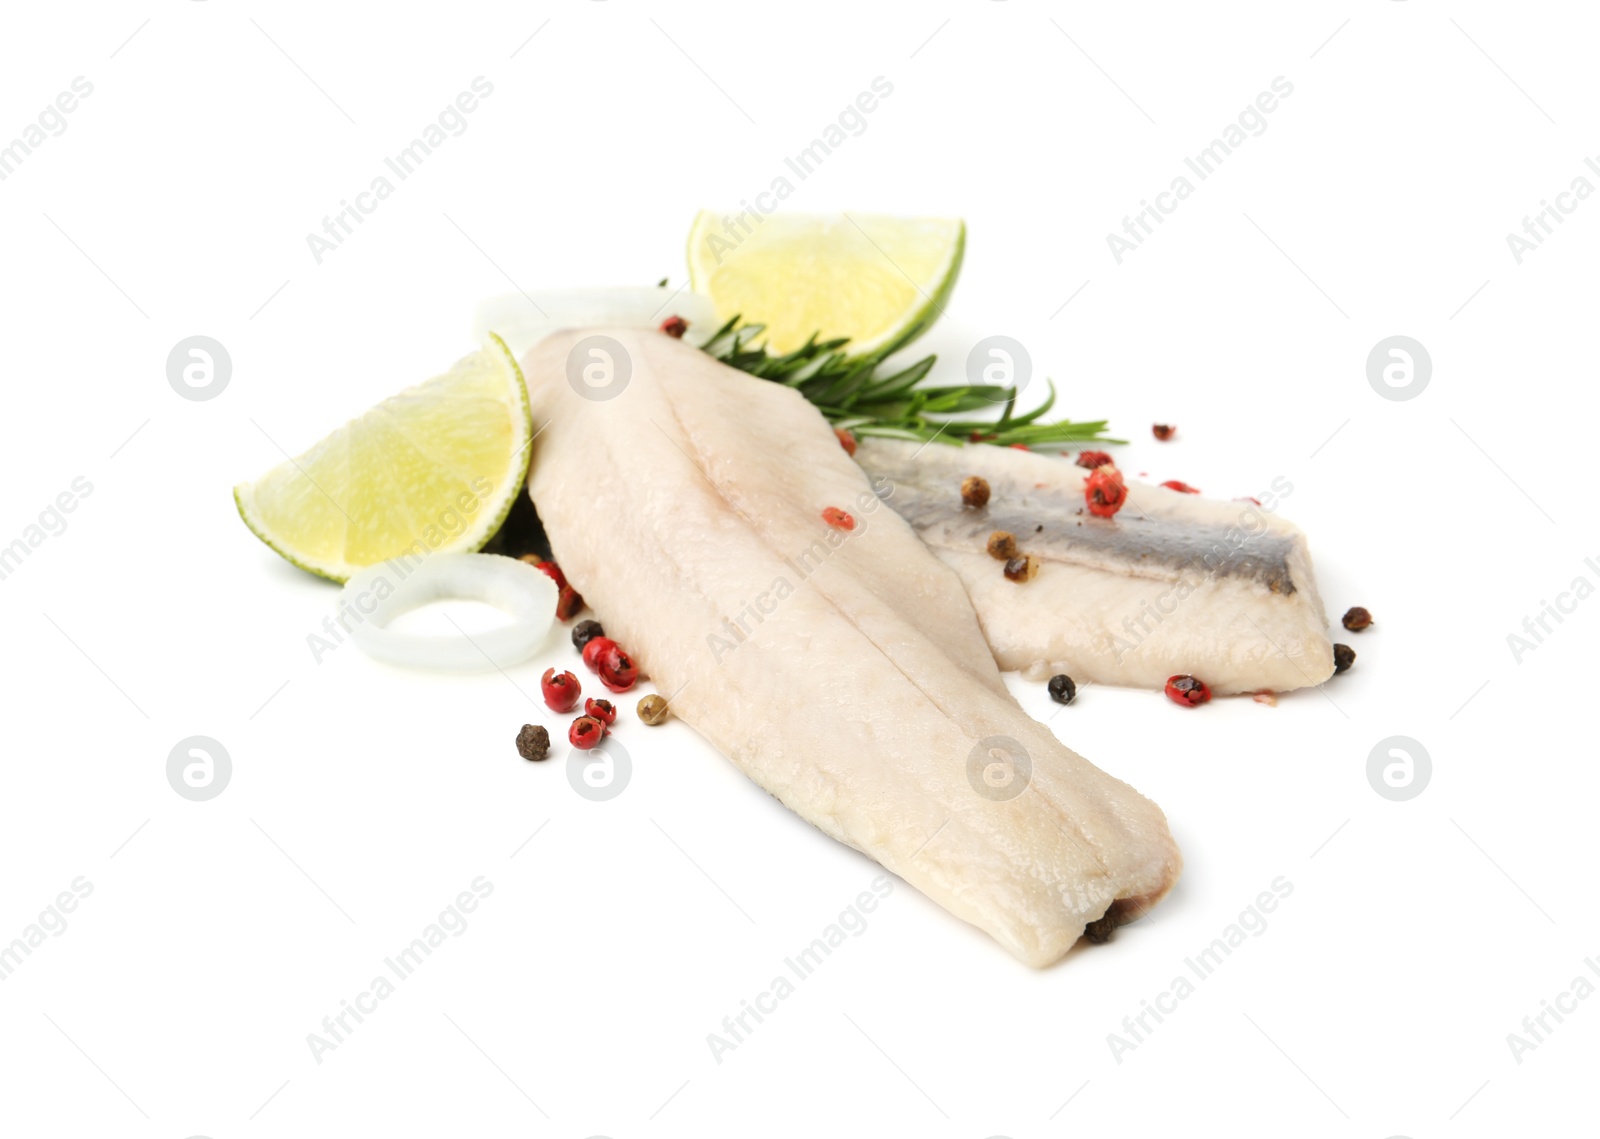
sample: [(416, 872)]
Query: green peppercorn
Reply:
[(653, 710)]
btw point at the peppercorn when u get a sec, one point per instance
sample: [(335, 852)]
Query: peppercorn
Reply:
[(975, 491), (1062, 689), (603, 710), (1089, 460), (594, 648), (653, 710), (1187, 691), (584, 632), (533, 743), (838, 519), (1163, 431), (1356, 619), (561, 690), (1002, 545), (569, 603), (1099, 931), (1104, 492), (585, 733), (617, 670), (675, 327), (546, 567), (1023, 567), (846, 440), (1343, 657)]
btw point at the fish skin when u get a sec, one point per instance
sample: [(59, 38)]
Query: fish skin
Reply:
[(1242, 610), (865, 688)]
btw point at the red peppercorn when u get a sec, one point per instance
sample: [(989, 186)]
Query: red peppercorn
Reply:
[(1163, 431), (1104, 491), (569, 603), (548, 568), (1019, 446), (560, 690), (593, 649), (1187, 691), (603, 710), (586, 731), (1092, 459), (617, 670), (675, 327), (838, 519), (846, 440), (1180, 487)]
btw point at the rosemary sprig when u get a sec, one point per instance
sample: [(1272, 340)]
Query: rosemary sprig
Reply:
[(851, 393)]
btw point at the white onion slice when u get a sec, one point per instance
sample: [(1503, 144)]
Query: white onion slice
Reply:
[(524, 319), (376, 595)]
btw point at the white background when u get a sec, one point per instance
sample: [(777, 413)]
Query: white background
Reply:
[(217, 936)]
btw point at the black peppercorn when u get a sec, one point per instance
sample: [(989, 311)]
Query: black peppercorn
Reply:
[(1356, 619), (1099, 932), (533, 742)]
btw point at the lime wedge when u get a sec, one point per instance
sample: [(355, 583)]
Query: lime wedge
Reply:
[(435, 468), (881, 281)]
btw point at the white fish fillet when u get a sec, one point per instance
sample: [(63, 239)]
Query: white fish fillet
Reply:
[(1173, 584), (843, 671)]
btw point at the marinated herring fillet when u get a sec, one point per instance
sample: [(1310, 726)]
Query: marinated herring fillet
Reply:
[(842, 670), (1173, 584)]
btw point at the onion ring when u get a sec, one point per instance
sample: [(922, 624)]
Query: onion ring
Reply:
[(376, 595)]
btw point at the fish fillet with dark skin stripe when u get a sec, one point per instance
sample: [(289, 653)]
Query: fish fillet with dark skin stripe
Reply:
[(1173, 584), (842, 670)]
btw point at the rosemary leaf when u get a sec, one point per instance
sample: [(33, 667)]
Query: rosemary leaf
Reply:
[(852, 395)]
